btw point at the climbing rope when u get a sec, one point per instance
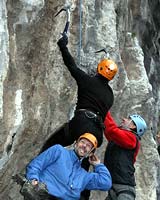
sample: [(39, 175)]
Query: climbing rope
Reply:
[(80, 31)]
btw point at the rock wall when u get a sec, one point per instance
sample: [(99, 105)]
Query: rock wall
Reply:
[(38, 94)]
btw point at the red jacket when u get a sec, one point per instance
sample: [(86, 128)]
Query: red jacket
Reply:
[(123, 138)]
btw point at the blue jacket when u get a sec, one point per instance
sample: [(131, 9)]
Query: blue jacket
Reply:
[(60, 169)]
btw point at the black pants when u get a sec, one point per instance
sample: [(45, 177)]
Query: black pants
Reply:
[(71, 131), (42, 198)]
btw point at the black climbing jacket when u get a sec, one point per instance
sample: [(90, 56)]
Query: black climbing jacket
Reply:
[(94, 93)]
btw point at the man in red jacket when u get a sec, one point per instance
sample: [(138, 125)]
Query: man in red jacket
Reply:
[(120, 156)]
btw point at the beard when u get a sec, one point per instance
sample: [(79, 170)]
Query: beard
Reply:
[(80, 152)]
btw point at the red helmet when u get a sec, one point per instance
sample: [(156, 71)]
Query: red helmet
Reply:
[(107, 68)]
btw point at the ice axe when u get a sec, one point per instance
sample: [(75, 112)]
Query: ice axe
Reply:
[(67, 9), (103, 50)]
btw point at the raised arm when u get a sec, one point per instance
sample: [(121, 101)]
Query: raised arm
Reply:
[(121, 137), (68, 59)]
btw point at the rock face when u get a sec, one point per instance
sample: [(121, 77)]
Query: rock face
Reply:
[(38, 94)]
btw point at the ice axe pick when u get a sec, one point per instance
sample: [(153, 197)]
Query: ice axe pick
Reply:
[(67, 9)]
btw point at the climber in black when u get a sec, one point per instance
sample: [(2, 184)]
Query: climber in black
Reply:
[(95, 98)]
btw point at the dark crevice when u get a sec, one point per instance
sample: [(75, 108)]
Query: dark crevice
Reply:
[(9, 146)]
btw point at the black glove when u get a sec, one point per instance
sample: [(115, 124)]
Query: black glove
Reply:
[(63, 41)]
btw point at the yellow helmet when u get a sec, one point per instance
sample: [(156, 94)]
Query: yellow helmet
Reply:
[(91, 138), (107, 68)]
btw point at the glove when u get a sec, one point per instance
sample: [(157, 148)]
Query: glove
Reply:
[(63, 41)]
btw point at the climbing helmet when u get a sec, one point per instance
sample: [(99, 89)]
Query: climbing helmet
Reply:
[(107, 68), (140, 124), (91, 138)]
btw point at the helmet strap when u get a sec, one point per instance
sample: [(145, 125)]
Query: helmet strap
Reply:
[(87, 154), (126, 126)]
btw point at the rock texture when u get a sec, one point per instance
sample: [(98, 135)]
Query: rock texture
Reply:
[(38, 94)]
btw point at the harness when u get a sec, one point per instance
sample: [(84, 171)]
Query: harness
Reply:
[(97, 119), (93, 116), (124, 191)]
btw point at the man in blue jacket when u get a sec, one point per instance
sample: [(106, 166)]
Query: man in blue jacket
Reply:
[(60, 170)]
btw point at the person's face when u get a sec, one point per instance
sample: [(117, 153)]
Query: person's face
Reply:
[(158, 139), (127, 123), (83, 147)]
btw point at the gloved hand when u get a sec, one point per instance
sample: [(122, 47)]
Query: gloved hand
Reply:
[(63, 41)]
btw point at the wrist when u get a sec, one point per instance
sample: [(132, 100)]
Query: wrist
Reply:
[(34, 181), (95, 163)]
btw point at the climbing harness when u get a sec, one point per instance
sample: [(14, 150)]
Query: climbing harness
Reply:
[(67, 9), (91, 115)]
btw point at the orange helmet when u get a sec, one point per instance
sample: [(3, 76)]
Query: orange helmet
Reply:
[(107, 68), (91, 138)]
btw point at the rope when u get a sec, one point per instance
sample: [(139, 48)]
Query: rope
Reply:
[(80, 31)]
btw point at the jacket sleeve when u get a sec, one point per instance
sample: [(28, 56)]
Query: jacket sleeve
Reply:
[(76, 72), (38, 164), (100, 179), (121, 137)]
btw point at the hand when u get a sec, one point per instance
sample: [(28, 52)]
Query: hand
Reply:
[(63, 41), (34, 182), (94, 160)]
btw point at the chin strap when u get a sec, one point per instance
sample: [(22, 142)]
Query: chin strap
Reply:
[(87, 154)]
